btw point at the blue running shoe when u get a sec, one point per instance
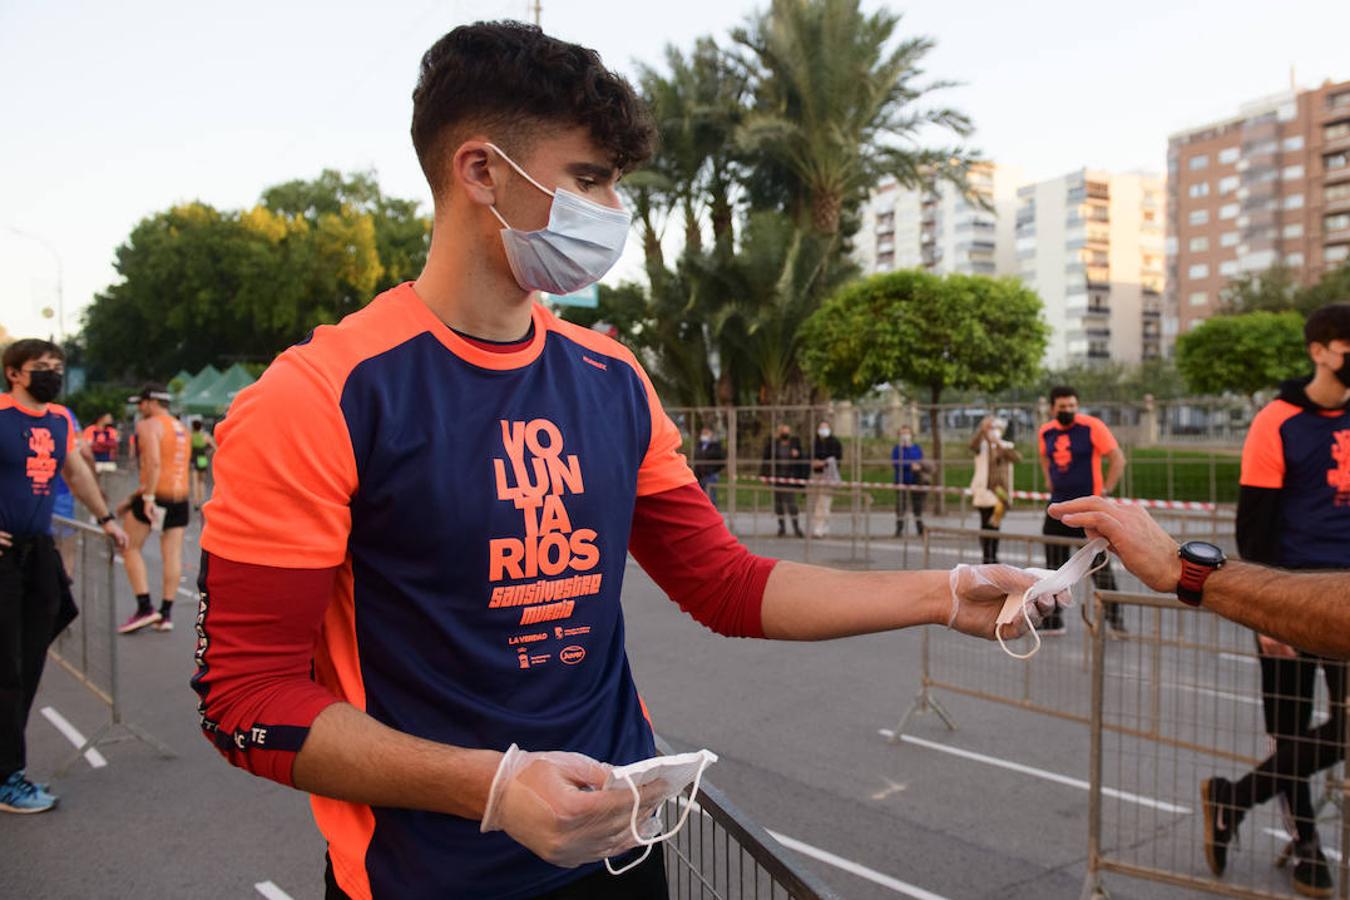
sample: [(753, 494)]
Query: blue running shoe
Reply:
[(19, 795)]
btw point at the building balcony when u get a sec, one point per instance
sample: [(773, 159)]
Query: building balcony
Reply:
[(1336, 204), (1340, 236), (1098, 275), (1340, 143)]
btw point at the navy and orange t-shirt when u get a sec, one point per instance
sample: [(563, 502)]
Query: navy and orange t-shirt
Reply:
[(33, 450), (476, 508), (1294, 510), (1075, 456)]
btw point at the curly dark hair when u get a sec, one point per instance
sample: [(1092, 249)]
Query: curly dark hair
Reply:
[(514, 81), (1330, 323)]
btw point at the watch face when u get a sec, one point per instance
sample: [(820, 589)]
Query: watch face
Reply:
[(1201, 552)]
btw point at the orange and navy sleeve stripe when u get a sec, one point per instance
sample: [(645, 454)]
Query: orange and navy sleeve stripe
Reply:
[(1103, 441)]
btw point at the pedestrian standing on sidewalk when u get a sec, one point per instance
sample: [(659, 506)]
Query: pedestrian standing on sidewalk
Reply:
[(37, 441), (991, 488), (709, 460), (1072, 446), (907, 461), (785, 470), (826, 451)]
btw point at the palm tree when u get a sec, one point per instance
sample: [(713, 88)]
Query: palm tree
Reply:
[(838, 107)]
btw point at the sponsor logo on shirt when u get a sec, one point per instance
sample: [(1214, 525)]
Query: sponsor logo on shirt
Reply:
[(42, 464), (1063, 454), (572, 655)]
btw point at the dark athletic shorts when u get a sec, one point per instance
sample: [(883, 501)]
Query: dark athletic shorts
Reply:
[(175, 511)]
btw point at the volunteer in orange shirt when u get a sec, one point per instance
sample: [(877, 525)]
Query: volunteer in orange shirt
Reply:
[(165, 449)]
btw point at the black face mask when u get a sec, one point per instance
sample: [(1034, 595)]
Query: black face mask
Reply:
[(44, 385), (1065, 418), (1343, 373)]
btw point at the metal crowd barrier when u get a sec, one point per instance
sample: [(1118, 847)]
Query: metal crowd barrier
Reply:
[(88, 648), (1052, 682), (723, 854), (1179, 701)]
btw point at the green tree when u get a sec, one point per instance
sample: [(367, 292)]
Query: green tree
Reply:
[(1278, 289), (840, 105), (932, 332), (1243, 354)]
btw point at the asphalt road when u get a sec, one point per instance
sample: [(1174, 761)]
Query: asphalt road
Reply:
[(995, 809)]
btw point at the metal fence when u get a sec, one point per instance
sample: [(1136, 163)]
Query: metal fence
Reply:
[(723, 854), (1179, 702), (88, 648)]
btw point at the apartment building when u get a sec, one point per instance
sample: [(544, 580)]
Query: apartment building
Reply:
[(1268, 185), (1091, 244), (938, 228)]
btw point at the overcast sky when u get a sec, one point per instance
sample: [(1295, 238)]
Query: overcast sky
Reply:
[(112, 111)]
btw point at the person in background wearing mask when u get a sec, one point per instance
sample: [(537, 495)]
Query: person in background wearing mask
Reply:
[(37, 442), (1294, 512), (826, 451), (1072, 446), (102, 439), (414, 556), (907, 461), (709, 460), (991, 487), (783, 465)]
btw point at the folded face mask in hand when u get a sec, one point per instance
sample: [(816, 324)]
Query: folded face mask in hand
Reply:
[(1051, 590), (674, 772)]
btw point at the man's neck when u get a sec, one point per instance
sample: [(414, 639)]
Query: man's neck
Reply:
[(465, 288), (25, 399), (1326, 390)]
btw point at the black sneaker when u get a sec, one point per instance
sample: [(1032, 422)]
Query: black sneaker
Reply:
[(1312, 875), (1220, 820)]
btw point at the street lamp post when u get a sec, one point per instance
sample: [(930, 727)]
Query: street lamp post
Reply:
[(60, 279)]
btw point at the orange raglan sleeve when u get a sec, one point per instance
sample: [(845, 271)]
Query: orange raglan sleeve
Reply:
[(1263, 450), (664, 466), (1103, 441), (285, 472)]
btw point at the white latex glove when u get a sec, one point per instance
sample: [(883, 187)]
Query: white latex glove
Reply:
[(553, 803), (979, 592)]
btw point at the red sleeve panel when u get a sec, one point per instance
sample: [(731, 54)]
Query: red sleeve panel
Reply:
[(679, 538), (257, 628)]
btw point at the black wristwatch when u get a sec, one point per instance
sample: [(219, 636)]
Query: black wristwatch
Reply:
[(1199, 560), (104, 520)]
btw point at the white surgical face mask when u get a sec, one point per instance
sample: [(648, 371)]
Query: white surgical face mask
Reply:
[(823, 431), (582, 241), (675, 771), (1050, 590)]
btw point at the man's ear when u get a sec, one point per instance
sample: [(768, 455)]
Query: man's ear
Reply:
[(471, 172)]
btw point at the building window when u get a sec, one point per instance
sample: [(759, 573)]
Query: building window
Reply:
[(1293, 230), (1229, 210), (1336, 132), (1198, 244), (1170, 246), (1228, 268), (1229, 184), (1293, 201), (1337, 192), (1339, 222), (1293, 259), (1199, 217), (1229, 239), (1336, 161), (1197, 271), (1292, 172), (1195, 163), (1229, 155), (1293, 143), (1199, 298), (1197, 322), (1338, 253), (1199, 189), (1335, 101)]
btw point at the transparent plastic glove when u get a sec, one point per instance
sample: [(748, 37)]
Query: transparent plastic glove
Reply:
[(553, 803), (1052, 591), (979, 592)]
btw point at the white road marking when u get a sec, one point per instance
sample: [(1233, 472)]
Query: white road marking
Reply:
[(1128, 797), (1222, 695), (891, 788), (271, 891), (72, 734), (1237, 658), (848, 865), (187, 594), (1284, 836)]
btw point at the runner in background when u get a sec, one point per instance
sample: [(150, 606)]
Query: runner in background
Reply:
[(164, 449), (203, 445), (1072, 446), (102, 439)]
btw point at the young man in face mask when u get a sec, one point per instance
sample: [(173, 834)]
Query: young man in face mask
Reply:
[(1072, 446), (37, 445), (1294, 513), (414, 554), (782, 464), (907, 461)]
